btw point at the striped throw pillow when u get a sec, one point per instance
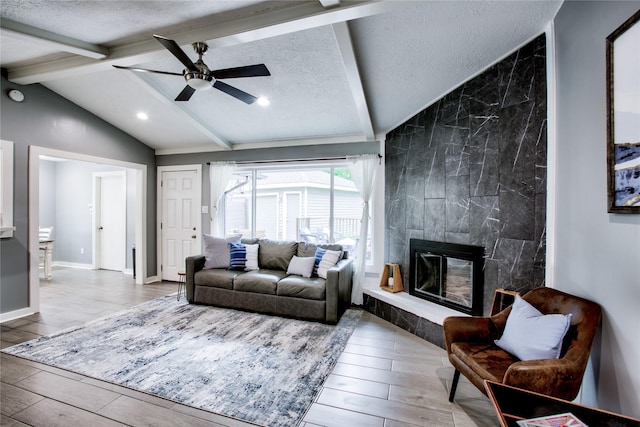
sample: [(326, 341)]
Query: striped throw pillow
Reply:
[(238, 255)]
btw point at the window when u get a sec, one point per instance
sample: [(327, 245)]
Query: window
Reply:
[(307, 204)]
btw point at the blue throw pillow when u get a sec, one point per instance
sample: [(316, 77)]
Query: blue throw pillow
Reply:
[(238, 256), (318, 256)]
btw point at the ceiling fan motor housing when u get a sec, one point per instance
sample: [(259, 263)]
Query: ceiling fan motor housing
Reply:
[(202, 80)]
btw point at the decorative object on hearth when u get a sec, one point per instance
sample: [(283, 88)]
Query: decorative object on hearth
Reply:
[(254, 367), (623, 117), (199, 77), (391, 279)]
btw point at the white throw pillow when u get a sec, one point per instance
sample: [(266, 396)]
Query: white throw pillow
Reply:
[(302, 266), (252, 257), (531, 335), (329, 259)]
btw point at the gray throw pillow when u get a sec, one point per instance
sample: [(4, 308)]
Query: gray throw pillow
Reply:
[(216, 251)]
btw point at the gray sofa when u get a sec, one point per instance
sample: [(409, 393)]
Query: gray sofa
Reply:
[(270, 289)]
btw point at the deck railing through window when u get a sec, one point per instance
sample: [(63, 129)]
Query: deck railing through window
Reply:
[(316, 230)]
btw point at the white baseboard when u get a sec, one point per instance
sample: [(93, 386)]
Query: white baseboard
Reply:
[(11, 315), (151, 279), (72, 265)]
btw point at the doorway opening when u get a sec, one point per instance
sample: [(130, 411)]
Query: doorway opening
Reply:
[(137, 184)]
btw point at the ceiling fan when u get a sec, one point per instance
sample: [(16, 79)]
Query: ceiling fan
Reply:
[(199, 77)]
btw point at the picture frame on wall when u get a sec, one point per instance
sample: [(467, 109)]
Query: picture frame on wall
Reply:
[(623, 117)]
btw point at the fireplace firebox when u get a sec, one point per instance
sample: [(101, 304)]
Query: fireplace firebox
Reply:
[(449, 274)]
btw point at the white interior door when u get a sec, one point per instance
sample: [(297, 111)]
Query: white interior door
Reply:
[(111, 224), (180, 220)]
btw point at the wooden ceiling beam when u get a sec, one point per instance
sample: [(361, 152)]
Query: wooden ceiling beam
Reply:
[(298, 17)]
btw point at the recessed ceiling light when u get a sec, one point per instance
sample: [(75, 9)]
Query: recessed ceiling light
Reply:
[(264, 102), (142, 115)]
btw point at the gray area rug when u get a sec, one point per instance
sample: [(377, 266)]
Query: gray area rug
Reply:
[(257, 368)]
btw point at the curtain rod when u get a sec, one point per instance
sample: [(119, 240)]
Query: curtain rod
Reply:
[(324, 159)]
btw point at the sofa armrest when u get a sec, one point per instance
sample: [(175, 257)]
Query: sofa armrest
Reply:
[(560, 378), (474, 329), (193, 264), (338, 289)]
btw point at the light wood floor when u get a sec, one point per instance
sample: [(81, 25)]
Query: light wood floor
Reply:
[(385, 377)]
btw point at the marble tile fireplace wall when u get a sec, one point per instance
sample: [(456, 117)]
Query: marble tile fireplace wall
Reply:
[(471, 169)]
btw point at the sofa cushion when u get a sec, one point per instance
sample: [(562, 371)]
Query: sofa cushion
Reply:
[(259, 281), (309, 249), (275, 255), (215, 277), (302, 266), (488, 360), (302, 287)]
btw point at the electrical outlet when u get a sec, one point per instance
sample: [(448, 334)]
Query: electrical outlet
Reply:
[(81, 251)]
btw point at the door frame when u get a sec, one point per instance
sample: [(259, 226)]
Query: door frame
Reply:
[(97, 207), (159, 200), (34, 212)]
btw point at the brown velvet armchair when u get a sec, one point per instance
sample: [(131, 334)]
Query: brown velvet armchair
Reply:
[(472, 352)]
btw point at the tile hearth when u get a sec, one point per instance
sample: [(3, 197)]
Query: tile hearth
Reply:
[(417, 316)]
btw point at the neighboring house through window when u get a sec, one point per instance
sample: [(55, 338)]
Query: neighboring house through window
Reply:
[(309, 204)]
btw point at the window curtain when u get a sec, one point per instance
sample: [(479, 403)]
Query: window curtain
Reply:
[(363, 171), (219, 175)]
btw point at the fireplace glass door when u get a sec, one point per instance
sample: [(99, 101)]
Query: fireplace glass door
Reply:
[(445, 277), (449, 274)]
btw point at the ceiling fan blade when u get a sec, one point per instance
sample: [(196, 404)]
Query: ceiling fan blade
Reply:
[(258, 70), (186, 93), (235, 92), (173, 47), (144, 70)]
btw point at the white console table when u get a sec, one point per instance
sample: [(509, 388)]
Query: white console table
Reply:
[(47, 247)]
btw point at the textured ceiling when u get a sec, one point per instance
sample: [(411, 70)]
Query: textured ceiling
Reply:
[(347, 73)]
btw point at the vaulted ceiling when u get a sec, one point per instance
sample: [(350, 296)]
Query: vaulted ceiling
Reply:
[(341, 71)]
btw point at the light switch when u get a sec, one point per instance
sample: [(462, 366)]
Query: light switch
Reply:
[(205, 209)]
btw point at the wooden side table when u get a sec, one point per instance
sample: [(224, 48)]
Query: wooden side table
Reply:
[(502, 298), (514, 404), (182, 286)]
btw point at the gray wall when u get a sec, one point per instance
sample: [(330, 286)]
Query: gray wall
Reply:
[(471, 169), (48, 194), (68, 211), (596, 254), (47, 120)]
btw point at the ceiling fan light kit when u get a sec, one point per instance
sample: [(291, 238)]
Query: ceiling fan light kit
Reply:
[(199, 81), (199, 77)]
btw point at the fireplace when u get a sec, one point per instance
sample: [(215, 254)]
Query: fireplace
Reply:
[(449, 274)]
